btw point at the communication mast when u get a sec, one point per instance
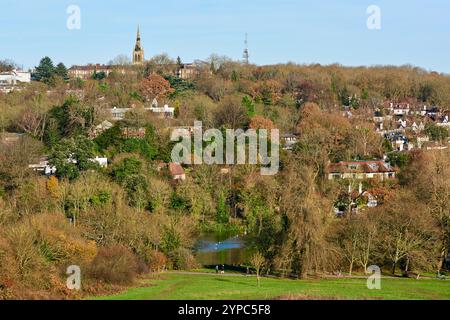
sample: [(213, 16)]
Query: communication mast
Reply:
[(246, 55)]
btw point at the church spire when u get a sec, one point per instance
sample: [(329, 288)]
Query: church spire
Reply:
[(138, 53), (138, 39)]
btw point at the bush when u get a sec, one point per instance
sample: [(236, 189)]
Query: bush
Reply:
[(114, 264), (183, 259), (157, 261)]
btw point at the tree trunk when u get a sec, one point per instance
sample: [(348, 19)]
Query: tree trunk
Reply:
[(351, 268)]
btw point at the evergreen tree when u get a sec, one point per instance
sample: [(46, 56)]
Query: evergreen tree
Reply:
[(45, 71), (61, 71)]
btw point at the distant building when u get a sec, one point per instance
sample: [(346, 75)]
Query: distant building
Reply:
[(187, 71), (399, 142), (289, 141), (361, 170), (43, 167), (101, 161), (118, 113), (432, 112), (14, 77), (400, 109), (10, 79), (164, 112), (177, 172), (87, 71)]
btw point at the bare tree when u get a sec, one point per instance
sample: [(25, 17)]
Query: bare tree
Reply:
[(258, 262)]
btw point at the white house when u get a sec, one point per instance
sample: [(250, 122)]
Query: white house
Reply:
[(10, 79), (165, 112), (43, 167), (14, 77), (400, 109), (289, 140), (361, 170), (101, 161)]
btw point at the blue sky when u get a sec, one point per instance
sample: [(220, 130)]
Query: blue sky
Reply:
[(321, 31)]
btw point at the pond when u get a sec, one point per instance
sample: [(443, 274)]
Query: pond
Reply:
[(212, 249)]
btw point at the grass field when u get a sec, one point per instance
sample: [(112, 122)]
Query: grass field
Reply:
[(171, 286)]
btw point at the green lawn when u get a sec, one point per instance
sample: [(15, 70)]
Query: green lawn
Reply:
[(212, 287)]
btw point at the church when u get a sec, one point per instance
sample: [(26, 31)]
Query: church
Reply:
[(138, 53), (183, 71)]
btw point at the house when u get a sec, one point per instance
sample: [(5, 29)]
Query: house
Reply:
[(118, 113), (10, 79), (43, 167), (177, 172), (398, 141), (289, 140), (187, 71), (164, 112), (14, 77), (400, 109), (432, 112), (101, 161), (378, 117), (444, 122), (356, 199), (361, 170)]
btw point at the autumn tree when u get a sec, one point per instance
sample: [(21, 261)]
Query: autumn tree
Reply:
[(406, 234), (305, 211), (154, 87), (231, 114), (259, 122), (322, 137)]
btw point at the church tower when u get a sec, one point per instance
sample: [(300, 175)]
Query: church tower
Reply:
[(138, 53)]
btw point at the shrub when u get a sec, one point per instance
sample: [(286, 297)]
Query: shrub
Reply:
[(183, 259), (157, 261), (114, 264)]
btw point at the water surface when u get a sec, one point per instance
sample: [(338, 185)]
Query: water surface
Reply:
[(218, 250)]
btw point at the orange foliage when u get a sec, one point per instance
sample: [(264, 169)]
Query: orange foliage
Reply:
[(155, 86), (259, 122)]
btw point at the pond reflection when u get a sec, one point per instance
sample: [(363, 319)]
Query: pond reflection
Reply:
[(215, 250)]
